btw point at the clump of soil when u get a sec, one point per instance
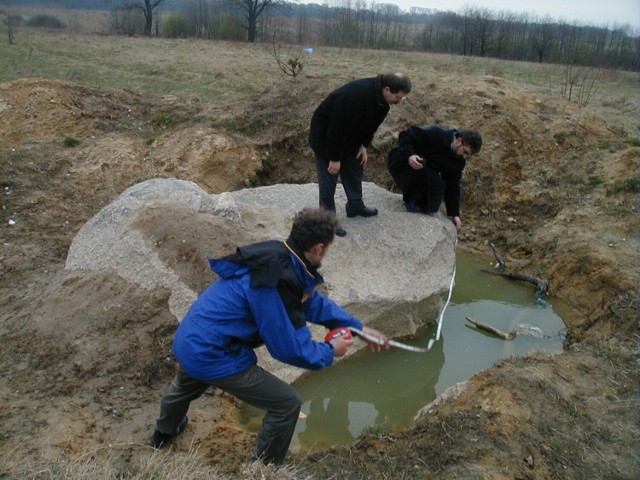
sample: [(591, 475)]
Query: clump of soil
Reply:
[(86, 355)]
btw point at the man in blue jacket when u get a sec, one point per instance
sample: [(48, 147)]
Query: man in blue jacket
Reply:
[(427, 165), (265, 295), (342, 127)]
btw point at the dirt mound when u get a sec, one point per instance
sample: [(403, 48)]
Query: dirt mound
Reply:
[(86, 356)]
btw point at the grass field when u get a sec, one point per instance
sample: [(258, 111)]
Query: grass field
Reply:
[(225, 72)]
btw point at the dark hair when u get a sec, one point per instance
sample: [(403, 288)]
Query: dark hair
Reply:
[(397, 82), (472, 139), (312, 226)]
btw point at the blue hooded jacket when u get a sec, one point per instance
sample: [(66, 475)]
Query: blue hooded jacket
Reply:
[(265, 294)]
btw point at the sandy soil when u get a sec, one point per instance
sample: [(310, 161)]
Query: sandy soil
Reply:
[(85, 357)]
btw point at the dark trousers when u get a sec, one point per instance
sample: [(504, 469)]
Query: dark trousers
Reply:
[(425, 188), (254, 386), (351, 174)]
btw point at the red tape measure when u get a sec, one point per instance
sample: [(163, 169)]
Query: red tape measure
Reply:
[(338, 332)]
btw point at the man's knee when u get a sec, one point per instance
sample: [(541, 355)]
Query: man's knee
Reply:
[(295, 401), (292, 404)]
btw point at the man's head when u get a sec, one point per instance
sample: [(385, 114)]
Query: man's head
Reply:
[(395, 86), (467, 143), (313, 231)]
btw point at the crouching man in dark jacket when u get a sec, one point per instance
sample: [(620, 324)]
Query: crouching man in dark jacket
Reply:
[(265, 295), (427, 165)]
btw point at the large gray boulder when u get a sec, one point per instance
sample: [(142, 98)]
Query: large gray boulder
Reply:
[(390, 271)]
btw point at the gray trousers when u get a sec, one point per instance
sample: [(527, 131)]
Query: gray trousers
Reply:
[(255, 386)]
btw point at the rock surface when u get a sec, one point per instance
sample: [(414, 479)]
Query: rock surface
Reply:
[(389, 271)]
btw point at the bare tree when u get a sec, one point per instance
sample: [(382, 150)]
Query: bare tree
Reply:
[(389, 14), (251, 11), (200, 16), (583, 80), (361, 21), (504, 27), (291, 67), (9, 23), (543, 37), (303, 25), (478, 30), (466, 31), (346, 25), (146, 7), (373, 26)]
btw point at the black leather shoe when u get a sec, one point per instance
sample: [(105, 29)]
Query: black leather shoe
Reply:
[(341, 232), (363, 212)]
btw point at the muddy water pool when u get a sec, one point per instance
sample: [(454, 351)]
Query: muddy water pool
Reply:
[(384, 391)]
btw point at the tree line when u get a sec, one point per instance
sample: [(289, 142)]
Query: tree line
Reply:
[(472, 31)]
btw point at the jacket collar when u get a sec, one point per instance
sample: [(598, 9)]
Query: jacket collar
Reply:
[(299, 254), (378, 86)]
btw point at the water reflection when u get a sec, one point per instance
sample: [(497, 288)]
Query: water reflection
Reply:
[(327, 423), (386, 388)]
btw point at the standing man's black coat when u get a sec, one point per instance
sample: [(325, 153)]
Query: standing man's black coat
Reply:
[(347, 119), (342, 127)]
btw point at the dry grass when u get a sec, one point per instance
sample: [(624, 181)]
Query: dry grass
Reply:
[(136, 462)]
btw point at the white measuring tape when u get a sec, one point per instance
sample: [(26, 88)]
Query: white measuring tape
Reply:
[(441, 317), (393, 343)]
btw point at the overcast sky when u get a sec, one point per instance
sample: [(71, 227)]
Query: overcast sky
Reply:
[(591, 12)]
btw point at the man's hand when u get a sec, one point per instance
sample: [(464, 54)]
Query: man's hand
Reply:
[(341, 344), (416, 162), (457, 222), (374, 346), (334, 168), (362, 155)]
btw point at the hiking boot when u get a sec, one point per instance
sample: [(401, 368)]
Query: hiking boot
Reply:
[(160, 440)]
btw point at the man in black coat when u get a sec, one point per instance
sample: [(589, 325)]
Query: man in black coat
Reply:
[(342, 127), (427, 165)]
